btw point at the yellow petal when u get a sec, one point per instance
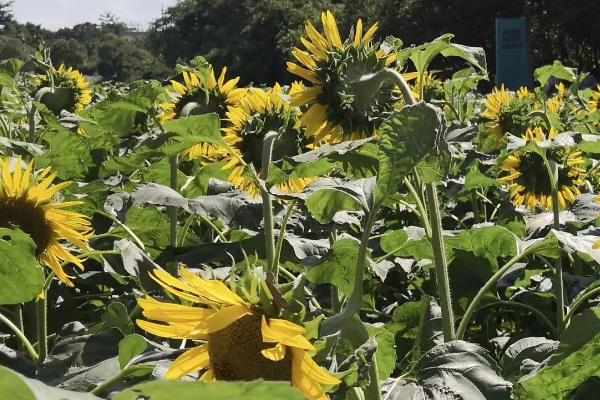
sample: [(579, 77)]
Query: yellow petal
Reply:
[(192, 360)]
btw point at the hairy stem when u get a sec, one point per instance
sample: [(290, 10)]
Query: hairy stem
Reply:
[(441, 264), (488, 286), (373, 391), (267, 154), (172, 210), (281, 237)]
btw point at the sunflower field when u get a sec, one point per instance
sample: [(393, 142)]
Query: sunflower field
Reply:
[(379, 229)]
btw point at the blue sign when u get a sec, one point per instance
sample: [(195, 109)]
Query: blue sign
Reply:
[(513, 53)]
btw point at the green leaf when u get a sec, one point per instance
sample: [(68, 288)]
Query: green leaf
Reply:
[(457, 370), (15, 386), (556, 70), (576, 360), (530, 348), (476, 180), (424, 54), (408, 136), (219, 390), (354, 157), (323, 204), (129, 347), (386, 353), (337, 268), (188, 131), (116, 316), (22, 279)]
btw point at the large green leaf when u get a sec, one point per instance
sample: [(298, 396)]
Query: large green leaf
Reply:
[(556, 70), (408, 135), (455, 370), (326, 201), (221, 390), (576, 360), (130, 347), (21, 276), (186, 132), (14, 386), (338, 268)]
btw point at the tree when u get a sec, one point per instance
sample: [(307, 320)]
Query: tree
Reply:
[(5, 13), (69, 52)]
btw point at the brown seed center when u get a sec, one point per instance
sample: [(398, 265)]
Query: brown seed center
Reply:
[(29, 218), (235, 354)]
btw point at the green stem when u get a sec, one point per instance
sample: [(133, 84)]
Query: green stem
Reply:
[(540, 316), (22, 338), (543, 115), (42, 319), (31, 121), (281, 237), (464, 323), (441, 264), (18, 318), (422, 210), (185, 229), (373, 391), (559, 291), (135, 238), (104, 386), (267, 200), (475, 205), (335, 322), (582, 299), (213, 227), (172, 210)]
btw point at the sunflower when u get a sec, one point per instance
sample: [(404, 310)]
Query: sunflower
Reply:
[(241, 343), (214, 95), (26, 201), (506, 113), (524, 93), (433, 88), (71, 79), (594, 101), (248, 122), (338, 106), (528, 179)]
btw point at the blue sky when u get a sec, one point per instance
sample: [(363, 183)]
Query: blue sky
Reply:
[(55, 14)]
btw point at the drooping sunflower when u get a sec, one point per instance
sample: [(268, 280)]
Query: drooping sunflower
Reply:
[(527, 176), (338, 107), (215, 95), (256, 114), (26, 201), (241, 342), (506, 113), (68, 78)]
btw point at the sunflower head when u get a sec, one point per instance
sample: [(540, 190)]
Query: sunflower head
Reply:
[(524, 93), (338, 106), (26, 201), (241, 341), (71, 80), (257, 114), (594, 101), (526, 174), (206, 96), (433, 88)]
